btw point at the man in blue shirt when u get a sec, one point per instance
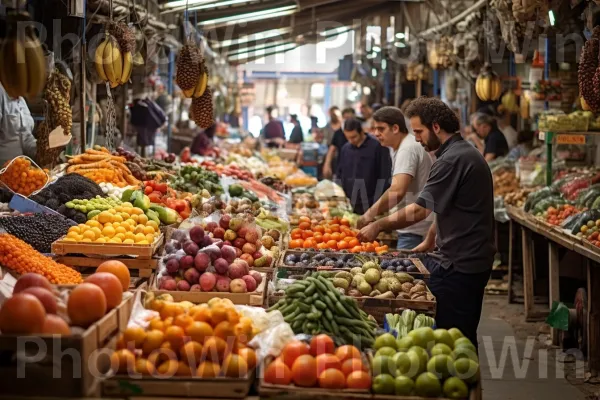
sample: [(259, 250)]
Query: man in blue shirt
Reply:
[(364, 167)]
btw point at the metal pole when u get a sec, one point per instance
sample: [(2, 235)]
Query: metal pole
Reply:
[(549, 135), (82, 81), (170, 90), (245, 108)]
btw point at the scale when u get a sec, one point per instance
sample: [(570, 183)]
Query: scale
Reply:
[(57, 138)]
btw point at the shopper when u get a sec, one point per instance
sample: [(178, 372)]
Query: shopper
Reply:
[(494, 143), (203, 142), (147, 118), (335, 123), (297, 136), (460, 192), (16, 127), (335, 145), (364, 167), (410, 167), (273, 132)]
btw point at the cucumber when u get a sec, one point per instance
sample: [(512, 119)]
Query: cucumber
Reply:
[(320, 305), (328, 314), (310, 290), (320, 286), (342, 310), (305, 308), (335, 327), (327, 325)]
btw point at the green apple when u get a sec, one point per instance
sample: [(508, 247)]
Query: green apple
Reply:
[(418, 361), (441, 365), (455, 333), (467, 370), (454, 388), (385, 340), (403, 362), (383, 365), (405, 343), (404, 386), (465, 351), (423, 337), (428, 385), (385, 351), (440, 348), (462, 341), (442, 336), (384, 384)]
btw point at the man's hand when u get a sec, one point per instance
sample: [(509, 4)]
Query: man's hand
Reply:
[(424, 247), (369, 233), (364, 220), (327, 174)]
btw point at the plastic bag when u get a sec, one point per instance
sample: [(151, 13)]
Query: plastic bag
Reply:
[(272, 339)]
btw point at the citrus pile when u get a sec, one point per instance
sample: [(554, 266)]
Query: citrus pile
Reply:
[(122, 224), (205, 341), (23, 178), (333, 234), (319, 364)]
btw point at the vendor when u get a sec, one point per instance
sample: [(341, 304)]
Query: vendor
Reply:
[(410, 167), (460, 192), (273, 132), (364, 167), (494, 143), (203, 144), (297, 136), (16, 127), (335, 145)]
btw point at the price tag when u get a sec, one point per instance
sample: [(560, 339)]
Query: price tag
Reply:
[(570, 139)]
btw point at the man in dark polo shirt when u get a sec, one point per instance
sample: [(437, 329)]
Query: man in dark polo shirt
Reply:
[(459, 191), (494, 143), (364, 167)]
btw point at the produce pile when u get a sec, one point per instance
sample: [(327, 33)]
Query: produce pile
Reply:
[(315, 306), (100, 166), (505, 182), (232, 170), (320, 364), (518, 197), (22, 177), (557, 215), (333, 234), (22, 258), (34, 306), (275, 183), (406, 322), (313, 259), (38, 231), (426, 363), (194, 179), (201, 341)]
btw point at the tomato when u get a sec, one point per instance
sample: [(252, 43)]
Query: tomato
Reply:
[(155, 197), (353, 364), (304, 371), (321, 344), (332, 244), (161, 187), (347, 352), (148, 190), (304, 225), (307, 234)]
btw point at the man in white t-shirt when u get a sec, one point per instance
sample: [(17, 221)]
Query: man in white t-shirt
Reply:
[(410, 170)]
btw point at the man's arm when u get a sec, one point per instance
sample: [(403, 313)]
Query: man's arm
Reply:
[(327, 171), (477, 141), (490, 157), (401, 219), (390, 198), (429, 243)]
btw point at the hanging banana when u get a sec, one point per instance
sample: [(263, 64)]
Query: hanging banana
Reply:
[(112, 64), (488, 86)]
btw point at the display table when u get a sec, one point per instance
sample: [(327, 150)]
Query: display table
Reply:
[(557, 239)]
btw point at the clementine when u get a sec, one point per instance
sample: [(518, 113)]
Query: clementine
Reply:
[(208, 370), (304, 371), (358, 380), (293, 350), (332, 378), (346, 352), (249, 356), (351, 365), (321, 344), (326, 361), (199, 331), (278, 373)]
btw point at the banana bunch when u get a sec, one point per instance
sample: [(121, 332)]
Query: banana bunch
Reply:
[(200, 87), (509, 102), (488, 85), (22, 62), (112, 64)]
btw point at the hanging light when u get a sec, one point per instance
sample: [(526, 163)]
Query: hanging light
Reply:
[(335, 31), (280, 49), (253, 16), (376, 49), (250, 38), (399, 35)]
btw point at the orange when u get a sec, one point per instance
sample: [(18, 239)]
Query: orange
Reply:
[(208, 370), (225, 331), (319, 229), (296, 244), (162, 354), (154, 339), (347, 352), (219, 314), (234, 366), (214, 349), (318, 238), (304, 225), (171, 310), (342, 245), (326, 237), (199, 331), (191, 353), (335, 227), (296, 235), (358, 380), (307, 234), (322, 246), (183, 369), (345, 222), (183, 320), (326, 361), (249, 356), (118, 269), (293, 350), (136, 335), (335, 236), (321, 344), (157, 323), (332, 379), (167, 369), (175, 336), (332, 244), (233, 316), (122, 361), (304, 371), (353, 364), (277, 373), (202, 314), (144, 367)]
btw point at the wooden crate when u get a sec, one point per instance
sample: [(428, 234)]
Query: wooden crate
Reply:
[(181, 387), (60, 373), (62, 247), (249, 299), (144, 267), (379, 307)]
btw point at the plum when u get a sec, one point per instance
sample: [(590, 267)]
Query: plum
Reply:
[(222, 284), (249, 248), (168, 284), (191, 275), (221, 266), (239, 242), (219, 233), (197, 234), (172, 266), (257, 277), (228, 253), (250, 283), (238, 286), (206, 241), (236, 270), (227, 243), (195, 288), (208, 280), (186, 262), (201, 261), (213, 252), (190, 247), (183, 286), (179, 235), (224, 221), (211, 226), (170, 247)]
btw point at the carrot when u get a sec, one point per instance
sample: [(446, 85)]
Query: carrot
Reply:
[(99, 164)]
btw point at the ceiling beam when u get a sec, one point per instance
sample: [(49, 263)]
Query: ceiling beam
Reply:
[(240, 9)]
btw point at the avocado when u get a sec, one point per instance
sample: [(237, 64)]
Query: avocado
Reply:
[(236, 190)]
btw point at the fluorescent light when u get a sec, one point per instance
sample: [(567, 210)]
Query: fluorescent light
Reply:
[(400, 45), (371, 56), (373, 72), (366, 90), (258, 47), (376, 49), (399, 35), (253, 16), (333, 31), (250, 38), (280, 49), (183, 3), (551, 16), (215, 5), (383, 64)]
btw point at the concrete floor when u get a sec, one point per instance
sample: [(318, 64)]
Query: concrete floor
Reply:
[(515, 367)]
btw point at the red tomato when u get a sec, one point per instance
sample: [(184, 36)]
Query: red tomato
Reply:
[(161, 187), (148, 190)]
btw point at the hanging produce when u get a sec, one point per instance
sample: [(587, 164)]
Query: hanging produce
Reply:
[(451, 85), (114, 59), (509, 102), (22, 62), (589, 73), (488, 85), (192, 73), (202, 110)]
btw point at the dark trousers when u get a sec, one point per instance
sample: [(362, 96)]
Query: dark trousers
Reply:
[(459, 297)]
